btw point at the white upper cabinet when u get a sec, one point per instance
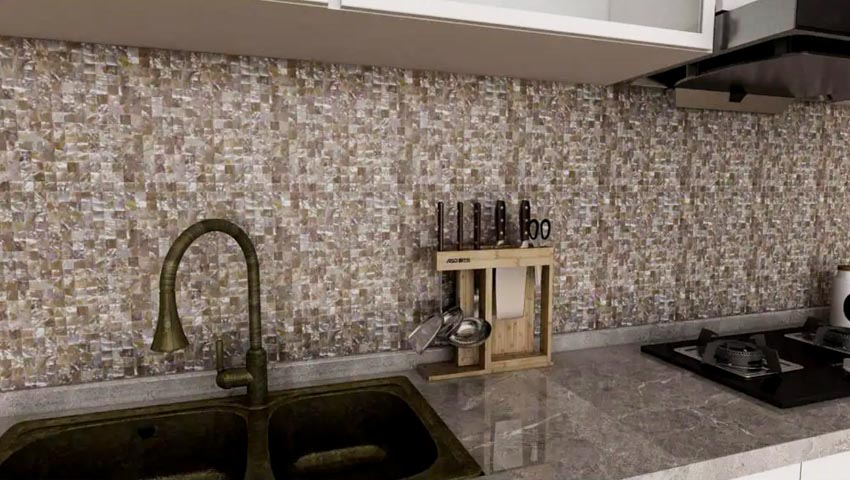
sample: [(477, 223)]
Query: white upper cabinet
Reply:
[(576, 41), (687, 24)]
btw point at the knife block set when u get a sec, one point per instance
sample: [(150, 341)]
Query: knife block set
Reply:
[(511, 346)]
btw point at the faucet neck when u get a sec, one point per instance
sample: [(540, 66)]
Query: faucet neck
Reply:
[(168, 276)]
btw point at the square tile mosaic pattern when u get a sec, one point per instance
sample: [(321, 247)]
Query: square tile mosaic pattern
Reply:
[(107, 153)]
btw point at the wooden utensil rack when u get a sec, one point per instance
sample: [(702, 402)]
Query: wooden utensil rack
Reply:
[(511, 346)]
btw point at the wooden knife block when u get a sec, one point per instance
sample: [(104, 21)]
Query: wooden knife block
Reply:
[(511, 345)]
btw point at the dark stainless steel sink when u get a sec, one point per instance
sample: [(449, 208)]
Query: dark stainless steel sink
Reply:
[(200, 444), (377, 429)]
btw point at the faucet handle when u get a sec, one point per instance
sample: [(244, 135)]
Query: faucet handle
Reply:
[(232, 377), (219, 354)]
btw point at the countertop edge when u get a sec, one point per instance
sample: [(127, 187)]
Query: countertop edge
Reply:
[(757, 461)]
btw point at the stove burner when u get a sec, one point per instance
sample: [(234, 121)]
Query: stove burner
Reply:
[(826, 336), (751, 355), (837, 337), (818, 334), (739, 354)]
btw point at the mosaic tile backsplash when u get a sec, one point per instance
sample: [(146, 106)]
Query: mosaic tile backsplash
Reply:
[(108, 153)]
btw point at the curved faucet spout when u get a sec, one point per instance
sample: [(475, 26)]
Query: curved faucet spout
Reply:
[(169, 335)]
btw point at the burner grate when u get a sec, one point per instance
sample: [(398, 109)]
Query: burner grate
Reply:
[(738, 355), (824, 336), (837, 337)]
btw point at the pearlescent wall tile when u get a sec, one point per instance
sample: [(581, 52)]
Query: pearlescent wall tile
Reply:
[(108, 153), (833, 199)]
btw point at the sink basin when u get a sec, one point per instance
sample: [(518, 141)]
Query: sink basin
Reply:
[(376, 429), (356, 435), (362, 434), (198, 445)]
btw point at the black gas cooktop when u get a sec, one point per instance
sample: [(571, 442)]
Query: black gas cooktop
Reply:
[(786, 368)]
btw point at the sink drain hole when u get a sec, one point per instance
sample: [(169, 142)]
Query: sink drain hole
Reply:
[(340, 459), (146, 432)]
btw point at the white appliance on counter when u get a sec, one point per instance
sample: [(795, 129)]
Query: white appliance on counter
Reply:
[(840, 315)]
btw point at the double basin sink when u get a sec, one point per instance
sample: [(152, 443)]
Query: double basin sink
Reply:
[(376, 429)]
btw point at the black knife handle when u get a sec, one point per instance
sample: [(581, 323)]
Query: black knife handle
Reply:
[(524, 217), (460, 225), (476, 225), (501, 222), (440, 210)]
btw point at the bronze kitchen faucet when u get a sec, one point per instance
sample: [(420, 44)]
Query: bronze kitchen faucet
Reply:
[(169, 334)]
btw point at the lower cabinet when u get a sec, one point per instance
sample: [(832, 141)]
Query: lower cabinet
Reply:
[(833, 467), (791, 472)]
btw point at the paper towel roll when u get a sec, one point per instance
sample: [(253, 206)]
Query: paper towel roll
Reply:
[(510, 292)]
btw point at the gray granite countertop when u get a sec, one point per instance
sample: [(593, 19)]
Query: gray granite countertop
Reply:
[(612, 413), (615, 413)]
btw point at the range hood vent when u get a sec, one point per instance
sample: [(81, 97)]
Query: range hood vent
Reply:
[(778, 48)]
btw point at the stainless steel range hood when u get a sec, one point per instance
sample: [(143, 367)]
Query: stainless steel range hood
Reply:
[(774, 49)]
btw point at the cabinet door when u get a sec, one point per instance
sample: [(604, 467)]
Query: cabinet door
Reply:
[(833, 467), (791, 472), (318, 3), (687, 24)]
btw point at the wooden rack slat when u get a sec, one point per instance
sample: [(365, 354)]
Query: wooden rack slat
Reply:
[(494, 258)]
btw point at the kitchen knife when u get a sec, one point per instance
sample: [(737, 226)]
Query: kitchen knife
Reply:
[(476, 225), (524, 217), (440, 210), (460, 225)]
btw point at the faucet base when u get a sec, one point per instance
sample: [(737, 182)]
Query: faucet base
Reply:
[(256, 365)]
